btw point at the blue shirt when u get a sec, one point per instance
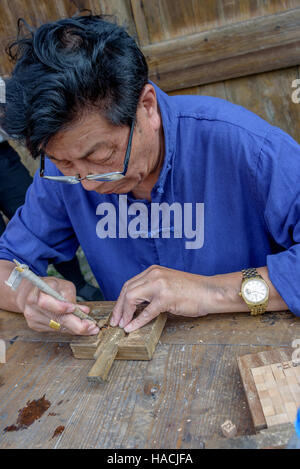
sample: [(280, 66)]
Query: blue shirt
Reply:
[(244, 171)]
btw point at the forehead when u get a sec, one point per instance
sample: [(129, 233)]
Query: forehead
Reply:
[(80, 136)]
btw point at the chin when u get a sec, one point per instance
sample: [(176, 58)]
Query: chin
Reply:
[(108, 189), (122, 187)]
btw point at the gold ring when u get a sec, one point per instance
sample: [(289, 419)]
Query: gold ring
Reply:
[(54, 325)]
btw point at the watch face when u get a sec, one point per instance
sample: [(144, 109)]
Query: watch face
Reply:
[(255, 291)]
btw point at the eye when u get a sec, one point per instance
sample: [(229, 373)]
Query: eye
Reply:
[(101, 159)]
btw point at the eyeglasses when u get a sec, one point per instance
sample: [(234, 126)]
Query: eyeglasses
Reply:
[(107, 177)]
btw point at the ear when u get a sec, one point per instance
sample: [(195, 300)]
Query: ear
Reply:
[(148, 107)]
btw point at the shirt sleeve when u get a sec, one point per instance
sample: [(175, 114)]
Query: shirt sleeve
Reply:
[(40, 232), (278, 187)]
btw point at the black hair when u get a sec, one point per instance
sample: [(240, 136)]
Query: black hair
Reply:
[(68, 66)]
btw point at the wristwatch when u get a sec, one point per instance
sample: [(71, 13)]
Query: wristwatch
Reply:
[(254, 291)]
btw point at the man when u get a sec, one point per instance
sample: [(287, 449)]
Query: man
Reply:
[(180, 202)]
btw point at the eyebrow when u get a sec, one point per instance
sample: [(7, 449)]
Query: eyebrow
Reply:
[(88, 152)]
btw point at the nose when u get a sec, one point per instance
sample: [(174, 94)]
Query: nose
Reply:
[(89, 185), (80, 169)]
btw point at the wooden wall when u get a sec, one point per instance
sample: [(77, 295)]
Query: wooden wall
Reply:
[(36, 12), (245, 51)]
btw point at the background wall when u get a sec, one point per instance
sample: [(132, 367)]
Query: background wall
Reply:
[(245, 51)]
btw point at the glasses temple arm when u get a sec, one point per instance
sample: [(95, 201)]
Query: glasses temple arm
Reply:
[(128, 147)]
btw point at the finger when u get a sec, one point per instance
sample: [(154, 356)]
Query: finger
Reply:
[(39, 320), (74, 324), (48, 303), (149, 313), (145, 292), (135, 296), (66, 288), (36, 320), (119, 308), (131, 283), (84, 308)]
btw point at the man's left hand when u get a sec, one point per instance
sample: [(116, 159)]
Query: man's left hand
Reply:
[(177, 292)]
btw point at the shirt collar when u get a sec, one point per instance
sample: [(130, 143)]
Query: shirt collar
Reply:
[(168, 116)]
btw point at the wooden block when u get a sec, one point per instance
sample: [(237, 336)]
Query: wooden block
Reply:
[(289, 372), (2, 351), (277, 401), (256, 364), (261, 386), (291, 410), (269, 378), (228, 429), (263, 394), (259, 379), (257, 371), (278, 371), (285, 393), (277, 419), (267, 407), (138, 345), (85, 347), (105, 355), (278, 390)]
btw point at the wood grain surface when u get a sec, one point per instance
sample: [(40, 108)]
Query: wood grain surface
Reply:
[(179, 399), (251, 364)]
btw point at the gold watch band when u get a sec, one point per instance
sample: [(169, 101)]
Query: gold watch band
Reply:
[(254, 309), (252, 272), (257, 310)]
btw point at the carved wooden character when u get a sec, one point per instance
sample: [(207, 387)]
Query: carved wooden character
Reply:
[(228, 429)]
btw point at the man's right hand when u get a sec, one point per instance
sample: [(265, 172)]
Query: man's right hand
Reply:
[(39, 308)]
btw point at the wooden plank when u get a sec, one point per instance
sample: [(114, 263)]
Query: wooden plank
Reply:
[(244, 48), (178, 399), (276, 328), (185, 396), (91, 418), (142, 343), (138, 345), (120, 9), (260, 363), (105, 355), (14, 325), (164, 19), (281, 395), (140, 22)]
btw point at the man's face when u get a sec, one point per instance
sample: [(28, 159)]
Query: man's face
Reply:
[(94, 146)]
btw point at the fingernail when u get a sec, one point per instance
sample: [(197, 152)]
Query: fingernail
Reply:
[(128, 328), (113, 322), (70, 309), (121, 323), (93, 329)]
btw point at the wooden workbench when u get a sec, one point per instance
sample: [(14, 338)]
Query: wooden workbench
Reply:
[(179, 399)]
